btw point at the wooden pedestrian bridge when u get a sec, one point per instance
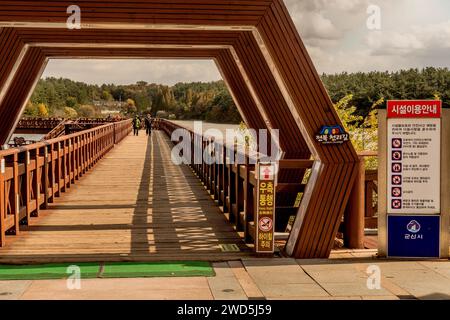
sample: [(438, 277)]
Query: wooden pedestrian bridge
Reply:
[(103, 194)]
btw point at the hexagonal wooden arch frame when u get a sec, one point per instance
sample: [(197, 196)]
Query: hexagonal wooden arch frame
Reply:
[(257, 49)]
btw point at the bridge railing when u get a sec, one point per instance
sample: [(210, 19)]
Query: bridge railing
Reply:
[(32, 176), (233, 185)]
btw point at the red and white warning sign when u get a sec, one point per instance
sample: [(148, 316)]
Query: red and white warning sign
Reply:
[(414, 148)]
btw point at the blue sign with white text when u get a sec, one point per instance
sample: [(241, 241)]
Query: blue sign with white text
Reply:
[(414, 236)]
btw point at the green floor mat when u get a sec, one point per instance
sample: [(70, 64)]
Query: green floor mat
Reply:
[(47, 271), (157, 269)]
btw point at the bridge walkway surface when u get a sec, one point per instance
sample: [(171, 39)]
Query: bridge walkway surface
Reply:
[(136, 205)]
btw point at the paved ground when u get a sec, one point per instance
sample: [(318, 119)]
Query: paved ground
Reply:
[(263, 279)]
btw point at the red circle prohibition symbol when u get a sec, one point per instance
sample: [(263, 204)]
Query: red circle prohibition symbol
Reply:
[(265, 224)]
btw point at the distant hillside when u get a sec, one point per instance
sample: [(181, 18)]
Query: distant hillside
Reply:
[(66, 98), (367, 88), (212, 101)]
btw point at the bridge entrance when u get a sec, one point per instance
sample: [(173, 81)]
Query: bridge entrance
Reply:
[(263, 61)]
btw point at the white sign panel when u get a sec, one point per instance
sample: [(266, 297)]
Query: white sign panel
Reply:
[(266, 172), (414, 161)]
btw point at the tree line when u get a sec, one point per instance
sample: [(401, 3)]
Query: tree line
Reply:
[(354, 94), (66, 98), (368, 88)]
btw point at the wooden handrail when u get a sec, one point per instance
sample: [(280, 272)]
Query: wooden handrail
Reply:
[(35, 174), (233, 185)]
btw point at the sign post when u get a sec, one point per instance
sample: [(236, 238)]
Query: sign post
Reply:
[(412, 181), (265, 213)]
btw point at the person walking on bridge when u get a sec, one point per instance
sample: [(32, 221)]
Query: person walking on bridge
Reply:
[(136, 125), (148, 125)]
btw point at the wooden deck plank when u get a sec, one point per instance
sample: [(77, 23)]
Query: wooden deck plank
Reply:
[(135, 206)]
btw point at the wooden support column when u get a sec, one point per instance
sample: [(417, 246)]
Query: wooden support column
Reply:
[(17, 93), (354, 219)]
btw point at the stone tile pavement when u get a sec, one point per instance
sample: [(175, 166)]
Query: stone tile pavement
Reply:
[(254, 278)]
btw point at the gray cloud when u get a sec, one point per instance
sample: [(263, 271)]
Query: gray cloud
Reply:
[(339, 40), (334, 31)]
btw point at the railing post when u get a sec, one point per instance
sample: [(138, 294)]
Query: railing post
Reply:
[(69, 162), (2, 201), (15, 200), (232, 186), (36, 181), (247, 205), (226, 181), (46, 177), (354, 214), (192, 150), (26, 188), (60, 175), (114, 134), (220, 182), (52, 173)]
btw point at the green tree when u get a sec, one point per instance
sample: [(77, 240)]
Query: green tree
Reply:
[(31, 110), (71, 102), (106, 95)]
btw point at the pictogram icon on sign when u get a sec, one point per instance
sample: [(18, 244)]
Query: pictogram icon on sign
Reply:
[(396, 180), (396, 155), (396, 192), (265, 224), (397, 167), (266, 172), (397, 143), (396, 204)]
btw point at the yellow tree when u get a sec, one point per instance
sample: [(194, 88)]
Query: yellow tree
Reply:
[(42, 110), (363, 131), (70, 112), (131, 102), (346, 113)]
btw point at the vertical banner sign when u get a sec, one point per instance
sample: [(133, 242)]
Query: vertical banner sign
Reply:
[(265, 214), (413, 178)]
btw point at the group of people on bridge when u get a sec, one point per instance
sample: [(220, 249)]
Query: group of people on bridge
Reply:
[(137, 124)]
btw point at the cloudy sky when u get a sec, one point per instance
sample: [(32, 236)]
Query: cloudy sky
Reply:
[(412, 33)]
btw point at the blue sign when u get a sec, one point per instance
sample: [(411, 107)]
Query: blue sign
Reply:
[(414, 236)]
